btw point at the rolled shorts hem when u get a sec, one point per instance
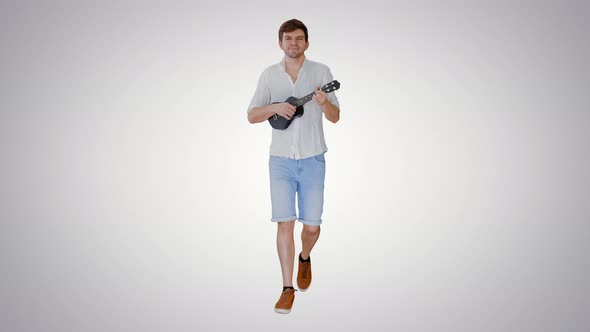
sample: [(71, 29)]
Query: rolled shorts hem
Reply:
[(310, 222), (281, 219)]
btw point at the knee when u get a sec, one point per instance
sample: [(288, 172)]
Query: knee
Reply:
[(286, 226), (311, 230)]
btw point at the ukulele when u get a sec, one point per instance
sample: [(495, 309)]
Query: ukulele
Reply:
[(281, 123)]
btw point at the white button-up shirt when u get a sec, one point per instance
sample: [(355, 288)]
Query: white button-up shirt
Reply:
[(304, 137)]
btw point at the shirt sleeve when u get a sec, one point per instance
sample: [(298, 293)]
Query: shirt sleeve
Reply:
[(332, 95), (262, 94)]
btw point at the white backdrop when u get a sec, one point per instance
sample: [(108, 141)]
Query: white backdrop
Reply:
[(135, 195)]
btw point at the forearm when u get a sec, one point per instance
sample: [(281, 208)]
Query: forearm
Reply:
[(331, 112), (260, 114)]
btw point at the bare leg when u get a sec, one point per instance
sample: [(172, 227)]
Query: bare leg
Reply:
[(309, 236), (286, 250)]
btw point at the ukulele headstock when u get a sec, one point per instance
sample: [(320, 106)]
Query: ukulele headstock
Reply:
[(332, 86)]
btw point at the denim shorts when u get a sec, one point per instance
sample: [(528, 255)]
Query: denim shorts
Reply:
[(304, 177)]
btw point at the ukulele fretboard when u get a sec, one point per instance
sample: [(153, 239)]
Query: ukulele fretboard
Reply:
[(304, 100)]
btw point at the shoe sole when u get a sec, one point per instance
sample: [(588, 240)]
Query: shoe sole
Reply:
[(282, 311)]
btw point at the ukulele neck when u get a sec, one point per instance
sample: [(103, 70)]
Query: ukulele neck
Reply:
[(301, 101)]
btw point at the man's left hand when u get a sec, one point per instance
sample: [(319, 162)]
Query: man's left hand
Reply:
[(320, 96)]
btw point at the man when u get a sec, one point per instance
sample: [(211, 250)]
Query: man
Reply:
[(296, 163)]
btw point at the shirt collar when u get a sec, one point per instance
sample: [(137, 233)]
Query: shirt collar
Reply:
[(282, 63)]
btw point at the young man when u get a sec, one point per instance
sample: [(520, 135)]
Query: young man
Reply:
[(296, 163)]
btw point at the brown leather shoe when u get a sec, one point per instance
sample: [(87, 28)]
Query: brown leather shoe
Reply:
[(304, 275), (285, 302)]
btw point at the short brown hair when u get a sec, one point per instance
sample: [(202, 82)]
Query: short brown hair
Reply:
[(292, 25)]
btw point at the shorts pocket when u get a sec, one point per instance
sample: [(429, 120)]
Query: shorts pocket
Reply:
[(320, 158)]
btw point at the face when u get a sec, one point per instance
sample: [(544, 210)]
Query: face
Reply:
[(293, 43)]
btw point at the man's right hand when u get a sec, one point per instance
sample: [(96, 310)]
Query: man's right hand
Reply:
[(285, 110)]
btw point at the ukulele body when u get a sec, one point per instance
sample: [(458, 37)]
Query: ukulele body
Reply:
[(281, 123)]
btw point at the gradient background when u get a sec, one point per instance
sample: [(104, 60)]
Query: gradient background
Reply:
[(134, 193)]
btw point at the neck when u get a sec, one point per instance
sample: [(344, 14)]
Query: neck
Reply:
[(294, 63)]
